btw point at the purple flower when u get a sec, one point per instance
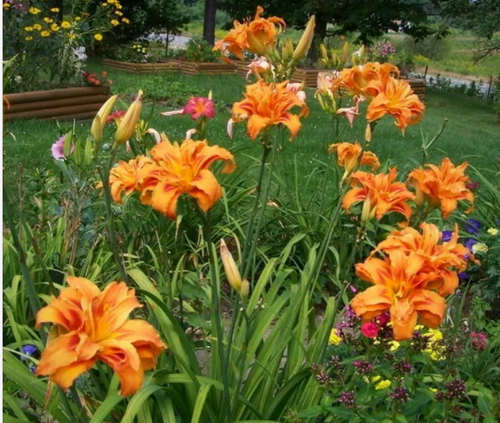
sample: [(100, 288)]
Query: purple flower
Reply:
[(472, 226), (470, 243), (348, 398), (58, 149), (463, 275), (29, 350), (446, 236)]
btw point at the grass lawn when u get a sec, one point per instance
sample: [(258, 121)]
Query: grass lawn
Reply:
[(472, 133)]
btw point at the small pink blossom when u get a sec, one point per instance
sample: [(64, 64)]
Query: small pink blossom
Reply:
[(58, 149), (196, 107), (479, 340), (351, 112), (259, 66), (370, 330)]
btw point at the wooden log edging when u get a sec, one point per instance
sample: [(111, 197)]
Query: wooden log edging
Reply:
[(210, 68), (162, 66), (308, 76), (60, 104)]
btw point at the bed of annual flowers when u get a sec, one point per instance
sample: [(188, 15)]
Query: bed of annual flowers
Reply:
[(155, 280)]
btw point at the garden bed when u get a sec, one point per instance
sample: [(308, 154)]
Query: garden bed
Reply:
[(208, 68), (167, 65), (309, 76), (61, 104)]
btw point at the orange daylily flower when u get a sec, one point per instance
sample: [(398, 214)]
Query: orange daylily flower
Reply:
[(255, 35), (394, 97), (350, 156), (442, 186), (444, 259), (268, 104), (93, 325), (357, 78), (399, 287), (380, 194), (127, 177)]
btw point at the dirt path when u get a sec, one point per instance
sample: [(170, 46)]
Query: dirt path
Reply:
[(454, 75)]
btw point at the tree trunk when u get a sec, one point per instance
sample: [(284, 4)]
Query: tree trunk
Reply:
[(209, 21), (319, 37)]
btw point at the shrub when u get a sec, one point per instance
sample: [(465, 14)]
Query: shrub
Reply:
[(431, 47)]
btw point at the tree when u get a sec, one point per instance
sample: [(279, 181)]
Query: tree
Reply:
[(209, 21), (481, 17), (369, 18)]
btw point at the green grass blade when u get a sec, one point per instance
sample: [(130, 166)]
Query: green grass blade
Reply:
[(200, 402)]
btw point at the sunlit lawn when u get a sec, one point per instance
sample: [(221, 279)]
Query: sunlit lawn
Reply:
[(472, 133)]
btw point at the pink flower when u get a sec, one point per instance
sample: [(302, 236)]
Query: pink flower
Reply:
[(351, 112), (58, 149), (298, 89), (479, 340), (383, 319), (370, 330), (196, 107), (259, 66), (115, 116)]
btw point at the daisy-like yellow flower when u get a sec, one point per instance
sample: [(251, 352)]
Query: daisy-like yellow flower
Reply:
[(111, 1), (114, 22), (71, 36), (125, 20), (34, 10), (384, 384), (54, 27), (37, 27), (45, 33), (98, 37), (29, 38), (375, 379), (6, 6), (104, 4), (28, 28), (492, 231), (118, 13), (54, 9), (78, 18), (65, 24), (48, 20)]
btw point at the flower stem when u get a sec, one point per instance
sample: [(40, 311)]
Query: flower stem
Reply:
[(104, 173)]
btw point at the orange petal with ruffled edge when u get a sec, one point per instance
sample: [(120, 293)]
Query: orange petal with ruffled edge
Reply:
[(404, 320), (65, 376), (372, 302), (430, 306), (164, 199), (256, 125), (208, 190)]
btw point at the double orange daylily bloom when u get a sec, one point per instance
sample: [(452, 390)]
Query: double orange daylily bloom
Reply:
[(267, 104), (394, 97), (256, 36), (93, 325), (356, 79), (441, 186), (173, 170), (379, 193), (412, 279), (445, 259), (400, 288), (350, 156)]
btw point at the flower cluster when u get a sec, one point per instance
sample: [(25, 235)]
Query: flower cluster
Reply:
[(95, 79), (385, 49), (412, 278)]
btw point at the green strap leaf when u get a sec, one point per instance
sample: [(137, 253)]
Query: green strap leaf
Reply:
[(137, 401), (200, 402), (106, 407)]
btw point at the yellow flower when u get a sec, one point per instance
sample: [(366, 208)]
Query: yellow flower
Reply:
[(29, 38), (98, 37), (114, 22), (334, 339), (71, 36), (375, 379), (118, 6), (125, 20), (28, 28), (34, 10), (104, 4), (48, 20), (433, 390), (384, 384), (54, 27), (38, 27), (45, 33), (419, 327), (394, 345), (65, 24), (111, 1), (480, 247), (118, 13), (493, 231), (54, 9), (78, 18), (434, 335), (6, 6)]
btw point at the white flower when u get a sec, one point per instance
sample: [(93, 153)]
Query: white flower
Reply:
[(80, 53), (18, 78), (479, 248)]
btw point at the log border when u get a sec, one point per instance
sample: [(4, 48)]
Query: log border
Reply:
[(61, 104)]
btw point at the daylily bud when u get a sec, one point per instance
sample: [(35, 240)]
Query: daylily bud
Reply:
[(287, 50), (245, 289), (230, 128), (232, 272), (127, 125), (100, 119), (368, 133), (345, 52), (210, 95), (68, 143), (419, 196), (324, 52), (366, 212), (87, 152), (305, 41)]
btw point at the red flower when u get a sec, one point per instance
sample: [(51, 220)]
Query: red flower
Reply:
[(370, 330)]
